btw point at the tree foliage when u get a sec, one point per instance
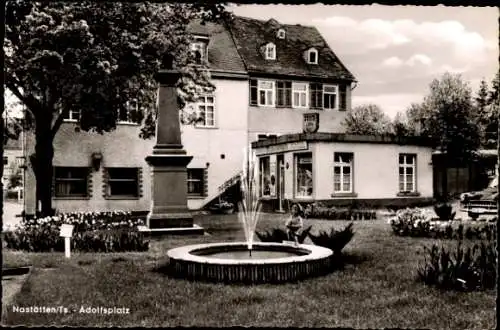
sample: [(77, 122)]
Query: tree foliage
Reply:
[(487, 104), (447, 116), (93, 58), (367, 119)]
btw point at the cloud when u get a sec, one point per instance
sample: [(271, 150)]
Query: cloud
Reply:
[(418, 59), (393, 61), (364, 35), (396, 60), (414, 60)]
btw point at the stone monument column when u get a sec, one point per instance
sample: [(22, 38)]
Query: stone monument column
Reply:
[(169, 211)]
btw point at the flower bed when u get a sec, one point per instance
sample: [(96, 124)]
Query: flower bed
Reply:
[(421, 223), (93, 232), (318, 211)]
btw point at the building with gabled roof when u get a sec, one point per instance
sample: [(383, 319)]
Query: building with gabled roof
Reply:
[(270, 79)]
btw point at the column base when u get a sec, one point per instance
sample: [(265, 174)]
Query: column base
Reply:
[(158, 232), (169, 220)]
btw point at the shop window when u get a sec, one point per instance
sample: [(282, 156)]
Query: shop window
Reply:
[(264, 176), (304, 175)]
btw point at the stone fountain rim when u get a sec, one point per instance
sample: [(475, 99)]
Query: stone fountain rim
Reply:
[(184, 253)]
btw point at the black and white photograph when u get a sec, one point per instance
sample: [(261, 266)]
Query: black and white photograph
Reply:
[(205, 164)]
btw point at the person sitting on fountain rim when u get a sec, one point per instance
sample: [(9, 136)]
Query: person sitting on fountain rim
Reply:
[(294, 223)]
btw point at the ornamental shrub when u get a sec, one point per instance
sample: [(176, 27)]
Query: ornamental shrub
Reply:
[(411, 222), (319, 211), (418, 223), (468, 268), (444, 211), (335, 240), (279, 235)]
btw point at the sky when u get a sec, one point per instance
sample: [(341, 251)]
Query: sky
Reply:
[(396, 51)]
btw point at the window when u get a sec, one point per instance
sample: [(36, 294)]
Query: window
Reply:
[(304, 175), (299, 93), (283, 94), (407, 167), (312, 56), (343, 97), (206, 108), (316, 93), (342, 172), (5, 160), (266, 93), (199, 49), (72, 115), (195, 182), (270, 51), (281, 34), (71, 181), (254, 92), (19, 161), (125, 113), (123, 182), (264, 176), (330, 96)]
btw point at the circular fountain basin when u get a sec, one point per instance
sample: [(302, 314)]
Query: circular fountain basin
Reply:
[(232, 262)]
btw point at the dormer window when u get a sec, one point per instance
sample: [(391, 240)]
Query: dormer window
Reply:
[(312, 56), (281, 34), (270, 51), (199, 49)]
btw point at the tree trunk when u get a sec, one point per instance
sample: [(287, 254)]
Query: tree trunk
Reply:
[(44, 152), (498, 164), (2, 127)]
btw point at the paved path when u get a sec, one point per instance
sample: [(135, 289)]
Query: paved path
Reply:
[(10, 210)]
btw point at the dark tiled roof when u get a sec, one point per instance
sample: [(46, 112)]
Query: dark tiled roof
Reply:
[(235, 46), (250, 34), (222, 53)]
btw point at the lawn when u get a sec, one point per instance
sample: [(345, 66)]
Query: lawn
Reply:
[(377, 288)]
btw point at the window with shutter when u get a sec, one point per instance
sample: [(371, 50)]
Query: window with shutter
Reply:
[(122, 182), (343, 97), (253, 92), (71, 181)]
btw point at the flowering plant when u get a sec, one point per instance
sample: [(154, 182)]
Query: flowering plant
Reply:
[(419, 223), (93, 231), (86, 221), (411, 222)]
